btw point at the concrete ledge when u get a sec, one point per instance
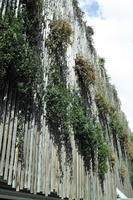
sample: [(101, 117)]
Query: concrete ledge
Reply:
[(13, 195)]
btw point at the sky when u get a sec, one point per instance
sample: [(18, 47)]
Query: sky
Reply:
[(112, 22)]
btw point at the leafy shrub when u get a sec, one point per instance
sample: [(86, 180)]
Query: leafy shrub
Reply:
[(85, 70)]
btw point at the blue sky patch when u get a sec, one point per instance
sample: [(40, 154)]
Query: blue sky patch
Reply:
[(93, 9)]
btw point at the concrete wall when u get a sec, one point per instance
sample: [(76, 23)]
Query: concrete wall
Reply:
[(40, 171)]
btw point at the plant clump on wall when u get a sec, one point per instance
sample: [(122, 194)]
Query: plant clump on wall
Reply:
[(129, 149), (122, 172), (117, 127), (85, 70), (102, 103), (60, 33), (112, 158), (58, 100)]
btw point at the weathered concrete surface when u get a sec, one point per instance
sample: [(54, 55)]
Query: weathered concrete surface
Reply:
[(42, 168)]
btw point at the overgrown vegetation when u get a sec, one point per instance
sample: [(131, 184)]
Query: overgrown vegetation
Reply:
[(102, 103), (117, 127), (33, 19), (57, 95), (103, 151), (89, 138), (20, 63), (117, 122), (58, 100), (65, 110), (59, 35), (85, 70)]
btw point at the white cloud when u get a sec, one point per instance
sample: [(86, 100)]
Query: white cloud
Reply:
[(114, 41)]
